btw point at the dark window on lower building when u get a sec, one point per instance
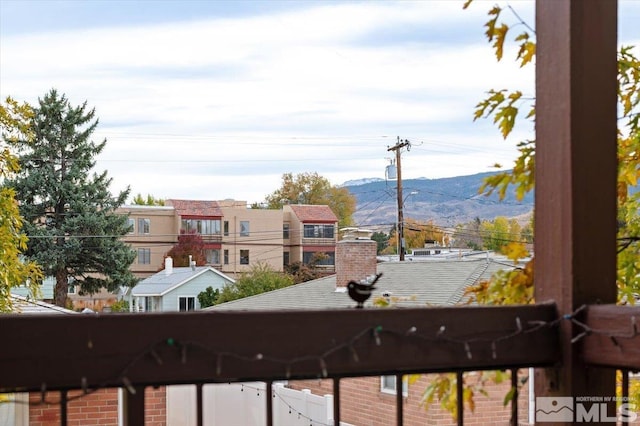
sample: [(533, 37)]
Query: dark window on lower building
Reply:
[(244, 257), (327, 260)]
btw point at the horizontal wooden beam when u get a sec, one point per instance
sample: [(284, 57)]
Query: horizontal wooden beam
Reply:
[(87, 351), (609, 335)]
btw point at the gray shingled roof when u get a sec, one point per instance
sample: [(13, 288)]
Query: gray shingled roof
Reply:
[(437, 282), (24, 305), (160, 283)]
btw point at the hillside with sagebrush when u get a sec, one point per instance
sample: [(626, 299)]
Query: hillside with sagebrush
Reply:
[(446, 201)]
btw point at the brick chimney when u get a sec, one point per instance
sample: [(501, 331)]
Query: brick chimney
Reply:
[(168, 265), (355, 259)]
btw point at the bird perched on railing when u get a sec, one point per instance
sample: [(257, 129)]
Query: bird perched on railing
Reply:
[(361, 291)]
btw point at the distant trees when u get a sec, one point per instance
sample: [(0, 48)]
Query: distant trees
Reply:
[(311, 188), (468, 234), (189, 244), (149, 200), (492, 234), (260, 279), (208, 297), (499, 232), (301, 272), (74, 232), (15, 122), (416, 234), (382, 240)]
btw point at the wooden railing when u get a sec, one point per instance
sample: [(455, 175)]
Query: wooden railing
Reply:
[(138, 350)]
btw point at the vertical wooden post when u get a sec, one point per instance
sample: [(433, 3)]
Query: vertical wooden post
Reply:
[(269, 414), (133, 406), (575, 207), (199, 405), (336, 401), (63, 408), (460, 396), (399, 399), (514, 400)]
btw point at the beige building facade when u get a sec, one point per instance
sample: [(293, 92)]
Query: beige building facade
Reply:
[(236, 237), (250, 236), (310, 231)]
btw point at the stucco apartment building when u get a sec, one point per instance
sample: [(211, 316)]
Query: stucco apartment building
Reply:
[(236, 236)]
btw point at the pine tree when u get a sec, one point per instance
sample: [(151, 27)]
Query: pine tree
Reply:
[(74, 232)]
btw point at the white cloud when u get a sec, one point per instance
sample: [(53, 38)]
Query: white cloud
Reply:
[(222, 106)]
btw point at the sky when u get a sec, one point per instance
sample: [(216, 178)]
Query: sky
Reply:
[(218, 99)]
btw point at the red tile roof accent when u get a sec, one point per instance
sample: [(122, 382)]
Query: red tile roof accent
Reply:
[(310, 213), (196, 207)]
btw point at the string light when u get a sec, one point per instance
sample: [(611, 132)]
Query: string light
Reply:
[(155, 356), (183, 354), (127, 383), (614, 336), (375, 332), (354, 354), (376, 335)]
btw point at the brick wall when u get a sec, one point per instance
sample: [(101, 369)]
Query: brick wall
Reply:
[(363, 404), (355, 260), (155, 405), (96, 408)]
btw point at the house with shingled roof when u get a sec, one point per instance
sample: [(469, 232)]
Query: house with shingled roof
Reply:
[(310, 230), (174, 289)]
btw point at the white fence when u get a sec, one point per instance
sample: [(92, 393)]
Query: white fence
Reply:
[(14, 409), (244, 404)]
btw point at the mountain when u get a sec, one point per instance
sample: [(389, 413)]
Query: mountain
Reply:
[(362, 181), (446, 201)]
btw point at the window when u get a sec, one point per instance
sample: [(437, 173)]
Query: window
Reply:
[(186, 303), (144, 256), (285, 258), (71, 289), (388, 385), (318, 231), (226, 257), (315, 256), (244, 228), (144, 226), (213, 256), (285, 231), (131, 225), (201, 226), (226, 228), (148, 304), (244, 257)]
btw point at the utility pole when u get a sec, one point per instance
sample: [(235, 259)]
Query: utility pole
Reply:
[(397, 148)]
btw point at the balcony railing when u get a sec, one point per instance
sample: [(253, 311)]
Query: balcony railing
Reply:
[(133, 351)]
